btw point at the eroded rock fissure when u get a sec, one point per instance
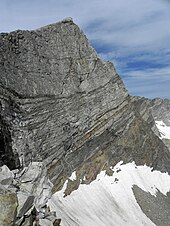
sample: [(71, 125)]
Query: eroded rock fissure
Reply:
[(7, 156)]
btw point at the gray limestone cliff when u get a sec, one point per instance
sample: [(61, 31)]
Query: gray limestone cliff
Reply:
[(61, 105), (154, 110)]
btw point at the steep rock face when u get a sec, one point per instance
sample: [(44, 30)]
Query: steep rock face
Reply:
[(161, 110), (154, 110), (67, 108)]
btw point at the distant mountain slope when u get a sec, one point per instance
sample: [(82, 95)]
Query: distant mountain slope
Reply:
[(157, 113)]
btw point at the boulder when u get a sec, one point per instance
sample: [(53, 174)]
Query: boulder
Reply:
[(8, 207), (6, 176)]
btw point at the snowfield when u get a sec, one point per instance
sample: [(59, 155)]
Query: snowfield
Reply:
[(109, 200), (163, 129)]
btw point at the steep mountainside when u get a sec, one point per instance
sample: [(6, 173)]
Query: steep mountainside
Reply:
[(157, 113), (61, 105)]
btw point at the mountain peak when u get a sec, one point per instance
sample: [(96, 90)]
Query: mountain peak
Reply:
[(63, 107)]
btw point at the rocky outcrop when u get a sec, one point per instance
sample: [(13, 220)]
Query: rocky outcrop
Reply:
[(161, 110), (61, 105), (8, 207), (154, 110), (23, 196), (8, 197)]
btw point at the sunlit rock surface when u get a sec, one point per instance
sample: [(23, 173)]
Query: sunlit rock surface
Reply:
[(62, 109), (62, 105)]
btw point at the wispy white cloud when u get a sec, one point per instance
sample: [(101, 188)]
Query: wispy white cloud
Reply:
[(149, 82), (147, 74)]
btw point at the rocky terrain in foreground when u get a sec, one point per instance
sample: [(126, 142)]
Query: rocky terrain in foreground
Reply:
[(63, 110)]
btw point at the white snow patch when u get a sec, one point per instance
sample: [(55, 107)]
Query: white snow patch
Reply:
[(73, 176), (163, 129), (109, 200)]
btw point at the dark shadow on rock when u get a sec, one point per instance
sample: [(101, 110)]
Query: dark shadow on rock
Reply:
[(157, 209)]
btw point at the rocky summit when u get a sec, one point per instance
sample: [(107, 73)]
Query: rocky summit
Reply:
[(63, 109)]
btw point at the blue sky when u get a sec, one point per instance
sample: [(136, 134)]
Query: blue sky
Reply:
[(133, 34)]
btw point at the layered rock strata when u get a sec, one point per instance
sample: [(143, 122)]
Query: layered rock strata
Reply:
[(62, 105), (152, 111)]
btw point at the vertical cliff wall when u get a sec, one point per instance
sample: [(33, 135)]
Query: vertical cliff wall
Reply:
[(62, 105)]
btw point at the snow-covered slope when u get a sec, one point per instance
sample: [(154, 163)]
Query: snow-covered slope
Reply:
[(109, 200), (163, 129)]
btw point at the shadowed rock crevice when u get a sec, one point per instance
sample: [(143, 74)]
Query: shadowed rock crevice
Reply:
[(7, 157)]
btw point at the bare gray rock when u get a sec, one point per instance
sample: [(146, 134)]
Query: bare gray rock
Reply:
[(154, 110), (156, 208), (66, 104), (34, 187), (6, 176), (27, 205), (62, 107), (8, 207)]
